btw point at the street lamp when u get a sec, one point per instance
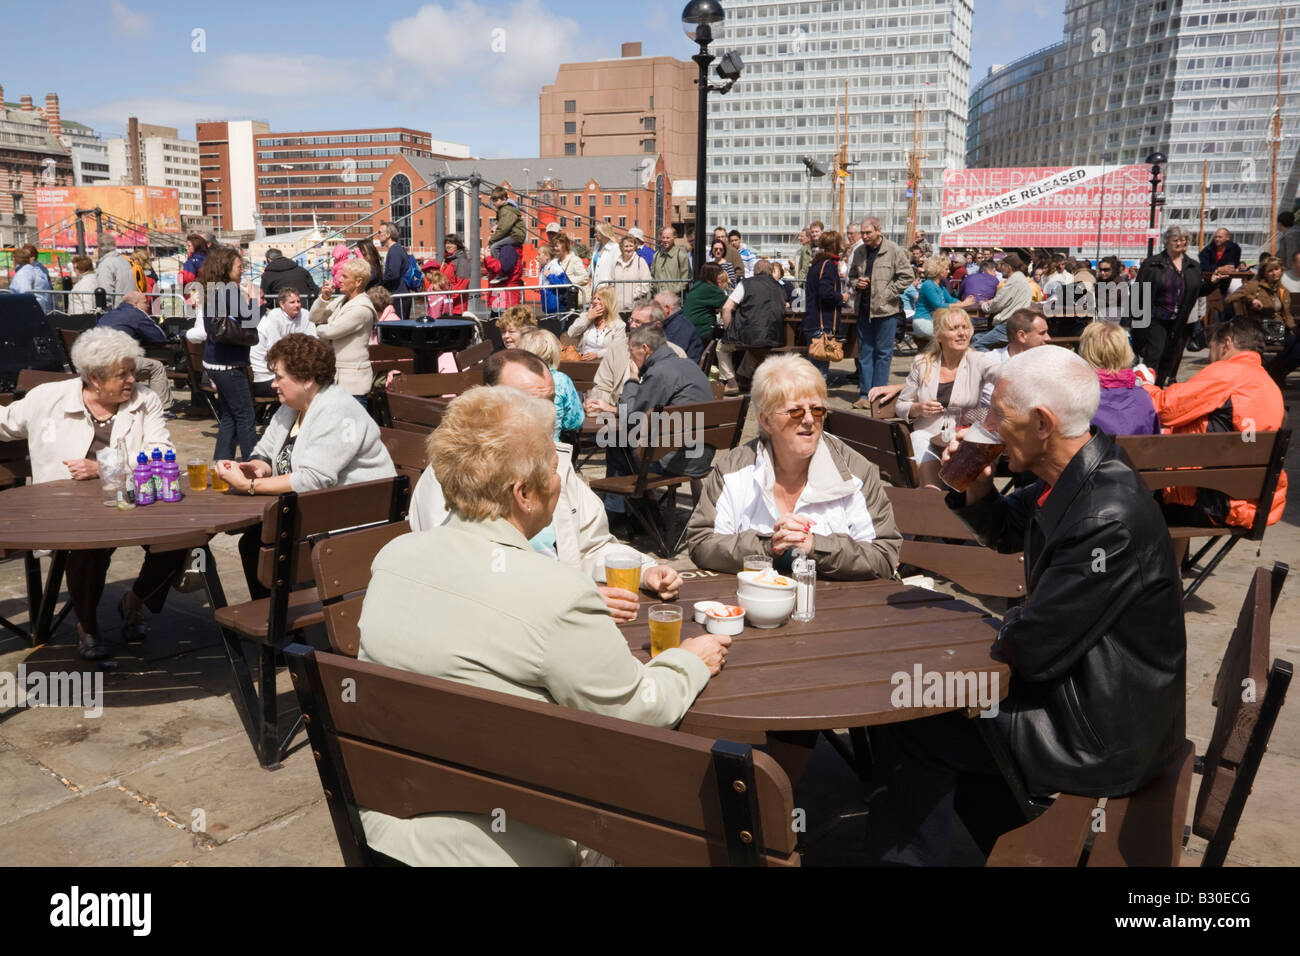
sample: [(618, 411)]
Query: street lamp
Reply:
[(289, 190), (1157, 198), (697, 20)]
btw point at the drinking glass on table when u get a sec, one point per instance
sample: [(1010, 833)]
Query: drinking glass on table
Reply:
[(757, 562), (197, 471), (623, 571), (218, 483), (665, 628)]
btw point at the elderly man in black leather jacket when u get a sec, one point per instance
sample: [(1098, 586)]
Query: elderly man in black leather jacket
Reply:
[(1097, 651)]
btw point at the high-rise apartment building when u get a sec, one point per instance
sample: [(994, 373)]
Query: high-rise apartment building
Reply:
[(631, 105), (89, 154), (1196, 80), (228, 171), (156, 156), (798, 58), (331, 173)]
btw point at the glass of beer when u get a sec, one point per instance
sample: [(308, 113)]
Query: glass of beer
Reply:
[(218, 483), (757, 562), (979, 448), (623, 571), (197, 471), (665, 628)]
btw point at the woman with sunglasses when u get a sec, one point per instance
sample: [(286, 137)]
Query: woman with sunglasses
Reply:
[(794, 487)]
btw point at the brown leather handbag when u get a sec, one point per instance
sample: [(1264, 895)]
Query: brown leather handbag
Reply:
[(826, 347)]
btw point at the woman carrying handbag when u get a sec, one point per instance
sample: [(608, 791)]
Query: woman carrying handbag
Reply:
[(823, 301), (225, 352)]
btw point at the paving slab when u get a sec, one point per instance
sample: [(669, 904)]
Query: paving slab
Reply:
[(303, 838), (26, 787)]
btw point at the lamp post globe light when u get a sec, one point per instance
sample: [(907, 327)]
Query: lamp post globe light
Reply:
[(1156, 159), (697, 20)]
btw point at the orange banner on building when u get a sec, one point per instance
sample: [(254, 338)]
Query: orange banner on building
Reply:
[(129, 212)]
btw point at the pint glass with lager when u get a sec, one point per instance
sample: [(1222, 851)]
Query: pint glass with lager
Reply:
[(978, 449), (665, 628), (623, 571)]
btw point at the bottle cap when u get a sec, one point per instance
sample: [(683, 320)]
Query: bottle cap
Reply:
[(141, 459), (170, 456), (157, 453)]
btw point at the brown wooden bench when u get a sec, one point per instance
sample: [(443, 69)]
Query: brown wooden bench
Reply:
[(651, 496), (582, 373), (29, 378), (408, 451), (413, 413), (434, 384), (407, 745), (886, 443), (474, 355), (392, 358), (15, 469), (1147, 828), (341, 564), (1238, 464), (922, 516), (290, 527)]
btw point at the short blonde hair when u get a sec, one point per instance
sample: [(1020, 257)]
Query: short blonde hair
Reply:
[(98, 351), (1105, 345), (543, 344), (490, 438), (935, 266), (783, 377), (517, 317), (358, 269)]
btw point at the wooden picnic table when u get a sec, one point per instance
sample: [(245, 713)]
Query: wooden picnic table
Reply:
[(782, 687), (68, 515)]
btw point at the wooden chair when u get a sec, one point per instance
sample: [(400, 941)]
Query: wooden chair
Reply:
[(474, 355), (15, 469), (390, 358), (341, 564), (922, 517), (409, 745), (715, 424), (290, 527), (68, 337), (582, 373), (1146, 828), (887, 444), (413, 413), (709, 356), (408, 451), (1237, 464), (434, 384), (29, 378)]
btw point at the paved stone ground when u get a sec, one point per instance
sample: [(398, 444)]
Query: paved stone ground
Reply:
[(166, 776)]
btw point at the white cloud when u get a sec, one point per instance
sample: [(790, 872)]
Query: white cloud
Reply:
[(162, 111), (505, 56), (272, 75), (128, 23)]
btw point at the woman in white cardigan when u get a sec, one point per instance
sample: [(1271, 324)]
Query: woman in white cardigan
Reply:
[(604, 255), (345, 322), (631, 277), (320, 438), (946, 382), (66, 424)]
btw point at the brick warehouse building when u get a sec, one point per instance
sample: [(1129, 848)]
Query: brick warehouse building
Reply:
[(625, 191), (31, 155)]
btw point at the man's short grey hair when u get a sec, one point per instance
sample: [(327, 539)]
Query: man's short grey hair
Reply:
[(763, 267), (657, 314), (875, 223), (98, 351), (1054, 378), (1173, 232), (670, 300), (273, 254), (651, 335), (391, 229), (107, 242)]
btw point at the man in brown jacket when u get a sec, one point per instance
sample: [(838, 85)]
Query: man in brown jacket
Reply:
[(879, 273)]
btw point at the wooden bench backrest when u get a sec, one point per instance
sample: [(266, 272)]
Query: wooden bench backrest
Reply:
[(430, 384), (1242, 465), (409, 744), (582, 373), (717, 424), (388, 358), (886, 444), (342, 570), (408, 451), (1243, 674), (69, 336), (474, 355), (922, 512), (29, 378), (303, 518), (415, 414), (1146, 828)]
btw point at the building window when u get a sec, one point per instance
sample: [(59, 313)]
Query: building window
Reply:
[(622, 199), (570, 106), (577, 200), (18, 204), (399, 193), (570, 128), (609, 200), (564, 199), (622, 222), (648, 145), (564, 221), (647, 122), (570, 149)]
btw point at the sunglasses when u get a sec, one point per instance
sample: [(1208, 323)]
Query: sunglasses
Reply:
[(797, 414)]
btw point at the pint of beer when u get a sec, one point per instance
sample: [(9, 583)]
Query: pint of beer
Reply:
[(197, 470), (665, 628), (978, 450), (623, 571), (218, 483)]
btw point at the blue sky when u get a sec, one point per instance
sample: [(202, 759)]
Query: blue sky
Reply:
[(330, 64)]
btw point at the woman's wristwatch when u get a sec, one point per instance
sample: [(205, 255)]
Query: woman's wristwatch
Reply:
[(252, 486)]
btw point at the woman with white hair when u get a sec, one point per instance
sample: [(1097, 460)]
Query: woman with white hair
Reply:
[(345, 322), (794, 487), (72, 421), (509, 619), (943, 388), (1173, 282)]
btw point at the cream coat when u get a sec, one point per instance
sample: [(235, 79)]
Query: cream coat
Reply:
[(632, 280), (53, 419), (470, 601), (611, 376), (346, 324), (922, 385)]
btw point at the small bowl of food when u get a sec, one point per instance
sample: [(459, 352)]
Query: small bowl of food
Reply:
[(724, 619), (766, 610), (764, 584), (702, 608)]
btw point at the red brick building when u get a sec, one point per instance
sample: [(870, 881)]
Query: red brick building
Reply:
[(31, 155)]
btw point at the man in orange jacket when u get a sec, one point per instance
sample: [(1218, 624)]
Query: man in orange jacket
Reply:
[(1232, 394)]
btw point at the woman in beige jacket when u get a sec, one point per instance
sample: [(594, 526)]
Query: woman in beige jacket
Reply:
[(945, 382), (345, 321)]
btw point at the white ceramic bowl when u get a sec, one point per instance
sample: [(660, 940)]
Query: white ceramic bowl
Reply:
[(747, 583), (762, 610), (723, 625), (702, 607)]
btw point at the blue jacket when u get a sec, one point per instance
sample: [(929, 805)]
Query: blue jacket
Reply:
[(683, 334), (822, 301), (135, 323), (33, 278), (931, 296)]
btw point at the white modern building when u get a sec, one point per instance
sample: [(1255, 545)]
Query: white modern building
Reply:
[(1196, 80), (165, 160), (89, 154), (797, 59)]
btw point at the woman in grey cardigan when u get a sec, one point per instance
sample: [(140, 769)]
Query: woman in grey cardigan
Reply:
[(345, 319), (320, 437)]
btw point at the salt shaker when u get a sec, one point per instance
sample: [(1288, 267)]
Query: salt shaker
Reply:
[(805, 577)]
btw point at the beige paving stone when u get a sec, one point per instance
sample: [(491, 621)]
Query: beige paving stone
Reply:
[(303, 838), (26, 787)]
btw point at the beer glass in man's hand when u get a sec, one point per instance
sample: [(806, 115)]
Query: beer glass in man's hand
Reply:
[(968, 462)]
